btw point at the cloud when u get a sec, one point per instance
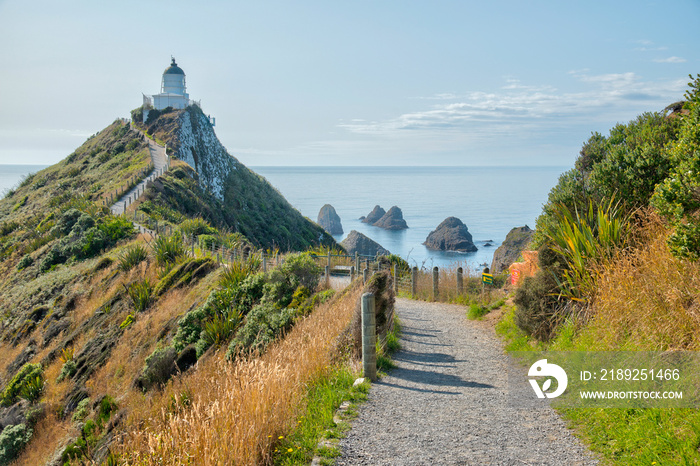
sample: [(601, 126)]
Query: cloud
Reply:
[(517, 107), (671, 60)]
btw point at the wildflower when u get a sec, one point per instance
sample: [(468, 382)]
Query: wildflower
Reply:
[(281, 437), (290, 450)]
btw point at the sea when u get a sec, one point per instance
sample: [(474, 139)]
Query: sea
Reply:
[(489, 200)]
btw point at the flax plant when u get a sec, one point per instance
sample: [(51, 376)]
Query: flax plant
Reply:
[(583, 237)]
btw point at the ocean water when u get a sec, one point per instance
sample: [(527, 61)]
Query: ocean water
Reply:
[(489, 200), (11, 175)]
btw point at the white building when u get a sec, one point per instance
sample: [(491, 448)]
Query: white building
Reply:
[(173, 92)]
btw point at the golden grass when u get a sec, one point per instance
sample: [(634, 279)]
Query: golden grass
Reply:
[(238, 410), (647, 299), (49, 433)]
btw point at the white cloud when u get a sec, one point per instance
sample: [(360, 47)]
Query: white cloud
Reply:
[(671, 60), (519, 107)]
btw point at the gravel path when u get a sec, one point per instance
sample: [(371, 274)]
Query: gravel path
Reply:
[(160, 163), (447, 402)]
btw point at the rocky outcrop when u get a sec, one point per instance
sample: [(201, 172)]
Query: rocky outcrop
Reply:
[(329, 220), (451, 235), (357, 242), (392, 220), (373, 216), (516, 241)]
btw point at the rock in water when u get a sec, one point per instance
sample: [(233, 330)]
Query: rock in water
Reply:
[(357, 242), (392, 220), (517, 240), (451, 235), (329, 220), (373, 216)]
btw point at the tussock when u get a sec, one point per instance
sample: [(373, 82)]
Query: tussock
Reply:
[(648, 299), (234, 413)]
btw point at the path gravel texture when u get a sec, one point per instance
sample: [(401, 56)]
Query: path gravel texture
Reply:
[(447, 402)]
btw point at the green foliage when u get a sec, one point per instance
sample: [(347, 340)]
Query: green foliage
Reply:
[(476, 311), (190, 327), (25, 377), (538, 308), (82, 410), (67, 371), (193, 227), (131, 257), (13, 439), (238, 270), (32, 390), (159, 367), (126, 322), (677, 197), (169, 249), (184, 273), (25, 262), (219, 329), (83, 236), (263, 324), (581, 238), (106, 408), (140, 294)]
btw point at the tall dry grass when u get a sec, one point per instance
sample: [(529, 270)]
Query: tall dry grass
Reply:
[(238, 410), (646, 298)]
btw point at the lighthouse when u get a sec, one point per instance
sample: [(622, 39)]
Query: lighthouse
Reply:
[(173, 90)]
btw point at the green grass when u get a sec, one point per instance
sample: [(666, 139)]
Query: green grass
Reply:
[(316, 423), (620, 436)]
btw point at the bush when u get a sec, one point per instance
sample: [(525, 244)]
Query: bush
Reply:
[(27, 375), (195, 227), (32, 390), (238, 270), (68, 370), (12, 440), (140, 294), (131, 257), (263, 324), (82, 410), (168, 249), (25, 262), (159, 367), (538, 307)]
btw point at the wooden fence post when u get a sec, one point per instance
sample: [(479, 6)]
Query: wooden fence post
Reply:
[(329, 259), (352, 273), (396, 279), (369, 337), (264, 262), (414, 281), (436, 289), (460, 281), (328, 276), (365, 274), (357, 261)]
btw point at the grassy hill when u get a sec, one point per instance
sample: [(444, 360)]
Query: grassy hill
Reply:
[(95, 319)]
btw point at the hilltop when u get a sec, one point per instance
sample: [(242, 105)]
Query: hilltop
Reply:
[(93, 315)]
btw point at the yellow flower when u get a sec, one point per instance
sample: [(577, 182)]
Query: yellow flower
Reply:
[(290, 450), (281, 437)]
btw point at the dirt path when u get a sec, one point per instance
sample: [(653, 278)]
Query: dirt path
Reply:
[(447, 402)]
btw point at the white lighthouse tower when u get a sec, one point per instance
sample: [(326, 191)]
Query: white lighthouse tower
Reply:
[(173, 91)]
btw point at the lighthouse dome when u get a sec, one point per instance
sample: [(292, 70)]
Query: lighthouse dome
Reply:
[(173, 69)]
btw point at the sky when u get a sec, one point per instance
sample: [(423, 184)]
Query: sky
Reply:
[(340, 83)]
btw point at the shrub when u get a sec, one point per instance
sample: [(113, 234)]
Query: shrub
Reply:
[(218, 330), (82, 410), (12, 440), (168, 249), (27, 375), (195, 227), (25, 262), (68, 370), (538, 307), (238, 270), (131, 257), (158, 368), (140, 294), (263, 324)]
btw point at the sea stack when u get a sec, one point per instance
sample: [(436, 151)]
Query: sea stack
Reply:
[(516, 241), (357, 242), (392, 220), (451, 235), (329, 220), (373, 216)]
